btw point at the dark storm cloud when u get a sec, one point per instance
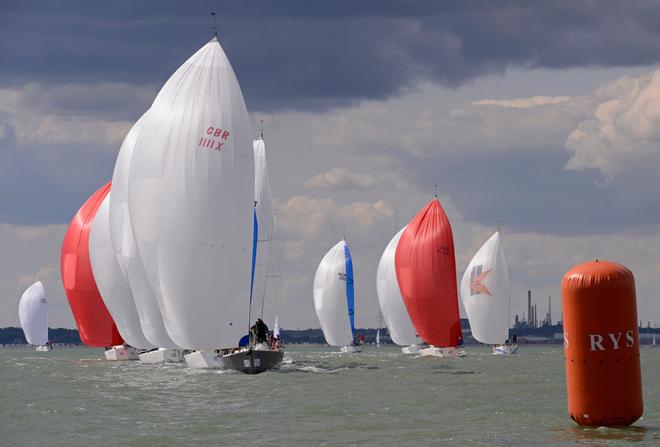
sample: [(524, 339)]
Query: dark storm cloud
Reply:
[(320, 54), (48, 183)]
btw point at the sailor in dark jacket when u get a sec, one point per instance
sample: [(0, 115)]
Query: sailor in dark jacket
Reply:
[(261, 330)]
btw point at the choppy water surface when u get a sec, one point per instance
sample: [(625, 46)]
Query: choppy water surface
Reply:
[(70, 397)]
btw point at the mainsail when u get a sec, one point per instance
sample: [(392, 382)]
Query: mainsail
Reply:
[(33, 314), (124, 245), (112, 284), (333, 295), (426, 270), (485, 290), (389, 297), (191, 202), (95, 325)]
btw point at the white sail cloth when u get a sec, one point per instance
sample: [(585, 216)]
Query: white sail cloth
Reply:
[(264, 224), (486, 292), (123, 242), (111, 282), (391, 302), (191, 202), (330, 297), (33, 314)]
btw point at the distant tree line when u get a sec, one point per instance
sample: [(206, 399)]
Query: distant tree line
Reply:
[(14, 335)]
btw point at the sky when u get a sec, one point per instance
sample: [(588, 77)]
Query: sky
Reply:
[(542, 116)]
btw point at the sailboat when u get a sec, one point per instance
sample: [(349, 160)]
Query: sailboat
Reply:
[(114, 289), (260, 356), (160, 346), (486, 294), (334, 298), (426, 271), (33, 315), (95, 324), (391, 302), (191, 205)]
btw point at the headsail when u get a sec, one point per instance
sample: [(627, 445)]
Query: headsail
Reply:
[(112, 284), (190, 201), (33, 314), (263, 227), (485, 290), (426, 270), (95, 325), (128, 256), (333, 295), (389, 297)]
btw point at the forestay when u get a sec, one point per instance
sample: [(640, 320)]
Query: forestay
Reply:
[(485, 290), (33, 314), (112, 284), (426, 270), (124, 245), (391, 302), (333, 295), (191, 202)]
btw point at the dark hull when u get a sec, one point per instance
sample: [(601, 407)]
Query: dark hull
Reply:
[(252, 362)]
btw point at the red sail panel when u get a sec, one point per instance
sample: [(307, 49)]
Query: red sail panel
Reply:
[(95, 325), (426, 270)]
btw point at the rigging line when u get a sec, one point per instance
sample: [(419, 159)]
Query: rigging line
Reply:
[(263, 292), (214, 28)]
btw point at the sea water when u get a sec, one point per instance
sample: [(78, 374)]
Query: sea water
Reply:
[(72, 397)]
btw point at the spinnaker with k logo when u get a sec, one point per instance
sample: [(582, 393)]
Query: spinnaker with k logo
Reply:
[(486, 293)]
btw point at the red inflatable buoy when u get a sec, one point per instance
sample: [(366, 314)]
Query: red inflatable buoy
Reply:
[(95, 325), (601, 345)]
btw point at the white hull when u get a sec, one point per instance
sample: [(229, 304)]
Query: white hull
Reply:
[(432, 351), (505, 349), (162, 355), (351, 349), (121, 353), (205, 359), (412, 349), (44, 348)]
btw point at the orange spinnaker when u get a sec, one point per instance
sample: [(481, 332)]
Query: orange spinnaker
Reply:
[(95, 325), (426, 270), (601, 345)]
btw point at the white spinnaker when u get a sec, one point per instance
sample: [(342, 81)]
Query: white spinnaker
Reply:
[(33, 314), (111, 282), (123, 242), (191, 202), (330, 297), (485, 290), (264, 213), (391, 302)]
